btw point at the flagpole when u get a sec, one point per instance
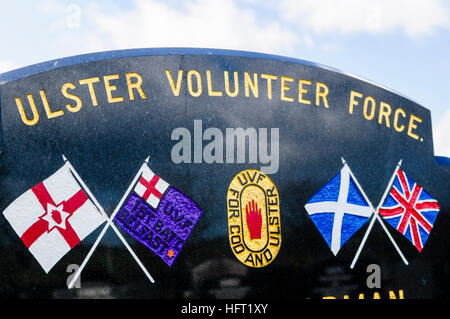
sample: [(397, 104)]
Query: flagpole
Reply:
[(386, 192), (108, 224), (372, 216), (357, 183), (376, 216), (372, 221)]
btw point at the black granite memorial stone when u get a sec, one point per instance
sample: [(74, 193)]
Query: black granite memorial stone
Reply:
[(296, 180)]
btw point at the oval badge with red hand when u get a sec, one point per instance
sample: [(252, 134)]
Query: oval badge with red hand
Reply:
[(254, 227)]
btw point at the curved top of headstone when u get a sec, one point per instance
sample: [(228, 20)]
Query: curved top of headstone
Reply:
[(126, 53), (71, 61)]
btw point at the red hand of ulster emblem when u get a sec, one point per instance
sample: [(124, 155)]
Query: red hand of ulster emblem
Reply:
[(254, 219)]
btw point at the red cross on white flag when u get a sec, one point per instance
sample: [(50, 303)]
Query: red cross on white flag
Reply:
[(53, 216), (151, 187)]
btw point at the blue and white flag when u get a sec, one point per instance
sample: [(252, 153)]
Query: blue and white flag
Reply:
[(339, 209)]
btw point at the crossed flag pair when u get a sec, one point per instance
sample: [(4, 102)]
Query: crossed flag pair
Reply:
[(340, 208), (54, 216)]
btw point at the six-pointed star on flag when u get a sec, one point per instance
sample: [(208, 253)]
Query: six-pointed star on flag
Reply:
[(55, 216)]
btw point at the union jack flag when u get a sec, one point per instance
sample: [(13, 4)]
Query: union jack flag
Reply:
[(410, 209)]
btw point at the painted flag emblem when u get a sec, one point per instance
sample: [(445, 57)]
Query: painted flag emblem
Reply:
[(410, 209), (150, 187), (339, 209), (157, 215), (53, 217)]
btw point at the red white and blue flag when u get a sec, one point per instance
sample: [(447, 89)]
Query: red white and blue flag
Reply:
[(410, 209)]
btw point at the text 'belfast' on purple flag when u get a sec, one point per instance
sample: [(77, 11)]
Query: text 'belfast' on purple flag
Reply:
[(158, 215)]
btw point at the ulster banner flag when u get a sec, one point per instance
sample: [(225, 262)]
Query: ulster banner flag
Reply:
[(53, 217)]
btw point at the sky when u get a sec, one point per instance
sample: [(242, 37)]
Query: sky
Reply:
[(403, 45)]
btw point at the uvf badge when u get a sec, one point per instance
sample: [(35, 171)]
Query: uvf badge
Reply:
[(254, 227)]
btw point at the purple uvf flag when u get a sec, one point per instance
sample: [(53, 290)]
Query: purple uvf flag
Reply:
[(158, 215)]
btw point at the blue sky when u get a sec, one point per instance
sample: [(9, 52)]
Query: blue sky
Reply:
[(403, 45)]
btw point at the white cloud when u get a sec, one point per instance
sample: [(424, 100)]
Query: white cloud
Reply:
[(6, 66), (279, 27), (414, 17), (194, 23), (441, 135)]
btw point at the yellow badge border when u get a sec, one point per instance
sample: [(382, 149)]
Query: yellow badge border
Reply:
[(246, 250)]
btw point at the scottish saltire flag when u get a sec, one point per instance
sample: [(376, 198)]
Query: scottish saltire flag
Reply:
[(339, 209), (158, 215), (410, 209), (52, 217)]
